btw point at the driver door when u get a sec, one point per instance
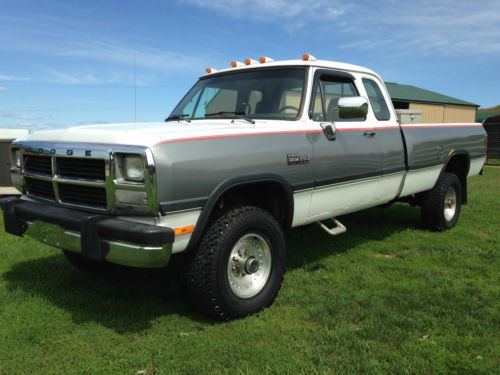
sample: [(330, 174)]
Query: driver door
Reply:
[(346, 170)]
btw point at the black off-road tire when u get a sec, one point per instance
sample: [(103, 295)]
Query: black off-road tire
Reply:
[(207, 277), (433, 205), (85, 264)]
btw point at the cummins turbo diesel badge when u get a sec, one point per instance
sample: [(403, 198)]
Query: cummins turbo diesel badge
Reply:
[(294, 159)]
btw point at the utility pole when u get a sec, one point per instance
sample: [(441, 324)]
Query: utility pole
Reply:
[(135, 90)]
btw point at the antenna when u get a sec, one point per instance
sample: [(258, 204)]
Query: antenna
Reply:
[(135, 91)]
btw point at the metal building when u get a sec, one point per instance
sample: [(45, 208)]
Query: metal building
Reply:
[(435, 107), (6, 137), (491, 123)]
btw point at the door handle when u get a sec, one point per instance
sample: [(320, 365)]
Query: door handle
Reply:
[(370, 133), (330, 130)]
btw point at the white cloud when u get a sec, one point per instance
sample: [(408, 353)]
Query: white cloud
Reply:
[(117, 53), (270, 10), (19, 119), (443, 27), (451, 27), (4, 77), (3, 88), (74, 39), (89, 78)]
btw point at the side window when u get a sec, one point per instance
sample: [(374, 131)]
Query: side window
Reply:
[(377, 100), (328, 92)]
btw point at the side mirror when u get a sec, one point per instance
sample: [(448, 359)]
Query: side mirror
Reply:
[(330, 130), (353, 107)]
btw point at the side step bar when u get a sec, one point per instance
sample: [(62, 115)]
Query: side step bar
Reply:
[(338, 229)]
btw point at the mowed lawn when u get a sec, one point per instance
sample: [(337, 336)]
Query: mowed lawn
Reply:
[(385, 297)]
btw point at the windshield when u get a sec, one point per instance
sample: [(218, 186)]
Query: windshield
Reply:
[(252, 94)]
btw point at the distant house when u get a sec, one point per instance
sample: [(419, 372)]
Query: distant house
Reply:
[(435, 107)]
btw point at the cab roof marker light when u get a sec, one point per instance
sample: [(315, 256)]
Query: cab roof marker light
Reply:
[(265, 59), (235, 63), (210, 70), (308, 57), (250, 61)]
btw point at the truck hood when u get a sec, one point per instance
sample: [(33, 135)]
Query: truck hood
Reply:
[(141, 134)]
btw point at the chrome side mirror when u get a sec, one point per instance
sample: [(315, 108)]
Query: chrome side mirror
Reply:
[(353, 107), (330, 130)]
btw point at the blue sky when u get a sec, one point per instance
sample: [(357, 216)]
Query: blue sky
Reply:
[(72, 62)]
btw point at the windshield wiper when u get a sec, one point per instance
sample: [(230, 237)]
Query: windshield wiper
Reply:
[(178, 117), (239, 115)]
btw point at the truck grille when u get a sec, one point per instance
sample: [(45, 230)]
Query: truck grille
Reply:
[(39, 188), (83, 195), (88, 169), (38, 164), (70, 174), (67, 168)]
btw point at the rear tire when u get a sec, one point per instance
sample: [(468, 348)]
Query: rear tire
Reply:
[(441, 207), (85, 264), (239, 265)]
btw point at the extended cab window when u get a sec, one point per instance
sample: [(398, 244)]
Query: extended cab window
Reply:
[(256, 93), (377, 100), (328, 91)]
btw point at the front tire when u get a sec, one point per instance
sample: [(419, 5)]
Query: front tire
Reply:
[(441, 207), (239, 265)]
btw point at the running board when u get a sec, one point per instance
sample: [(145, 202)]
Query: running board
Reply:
[(338, 229)]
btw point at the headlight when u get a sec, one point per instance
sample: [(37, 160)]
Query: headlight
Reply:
[(16, 157), (133, 168)]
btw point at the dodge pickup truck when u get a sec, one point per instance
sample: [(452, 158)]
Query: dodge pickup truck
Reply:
[(248, 153)]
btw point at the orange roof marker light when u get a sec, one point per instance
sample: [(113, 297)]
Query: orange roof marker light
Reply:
[(265, 59), (210, 70), (235, 63), (250, 61), (308, 57)]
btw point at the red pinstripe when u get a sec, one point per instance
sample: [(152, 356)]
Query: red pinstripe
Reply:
[(312, 131), (199, 138)]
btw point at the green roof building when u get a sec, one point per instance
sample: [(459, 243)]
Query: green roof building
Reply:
[(435, 107)]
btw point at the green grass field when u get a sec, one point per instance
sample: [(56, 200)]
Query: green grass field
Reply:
[(493, 161), (385, 297)]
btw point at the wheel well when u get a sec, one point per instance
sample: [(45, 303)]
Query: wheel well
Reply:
[(459, 165), (269, 195)]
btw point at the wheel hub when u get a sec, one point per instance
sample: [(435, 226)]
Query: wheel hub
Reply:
[(249, 265), (450, 204)]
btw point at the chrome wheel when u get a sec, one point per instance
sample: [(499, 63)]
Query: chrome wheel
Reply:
[(249, 265), (450, 204)]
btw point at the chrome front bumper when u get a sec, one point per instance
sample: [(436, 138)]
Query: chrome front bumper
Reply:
[(97, 237)]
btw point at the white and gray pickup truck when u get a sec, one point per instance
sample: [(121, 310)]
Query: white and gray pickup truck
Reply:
[(248, 153)]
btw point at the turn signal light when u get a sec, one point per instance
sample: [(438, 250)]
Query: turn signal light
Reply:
[(184, 230), (308, 57), (265, 59)]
